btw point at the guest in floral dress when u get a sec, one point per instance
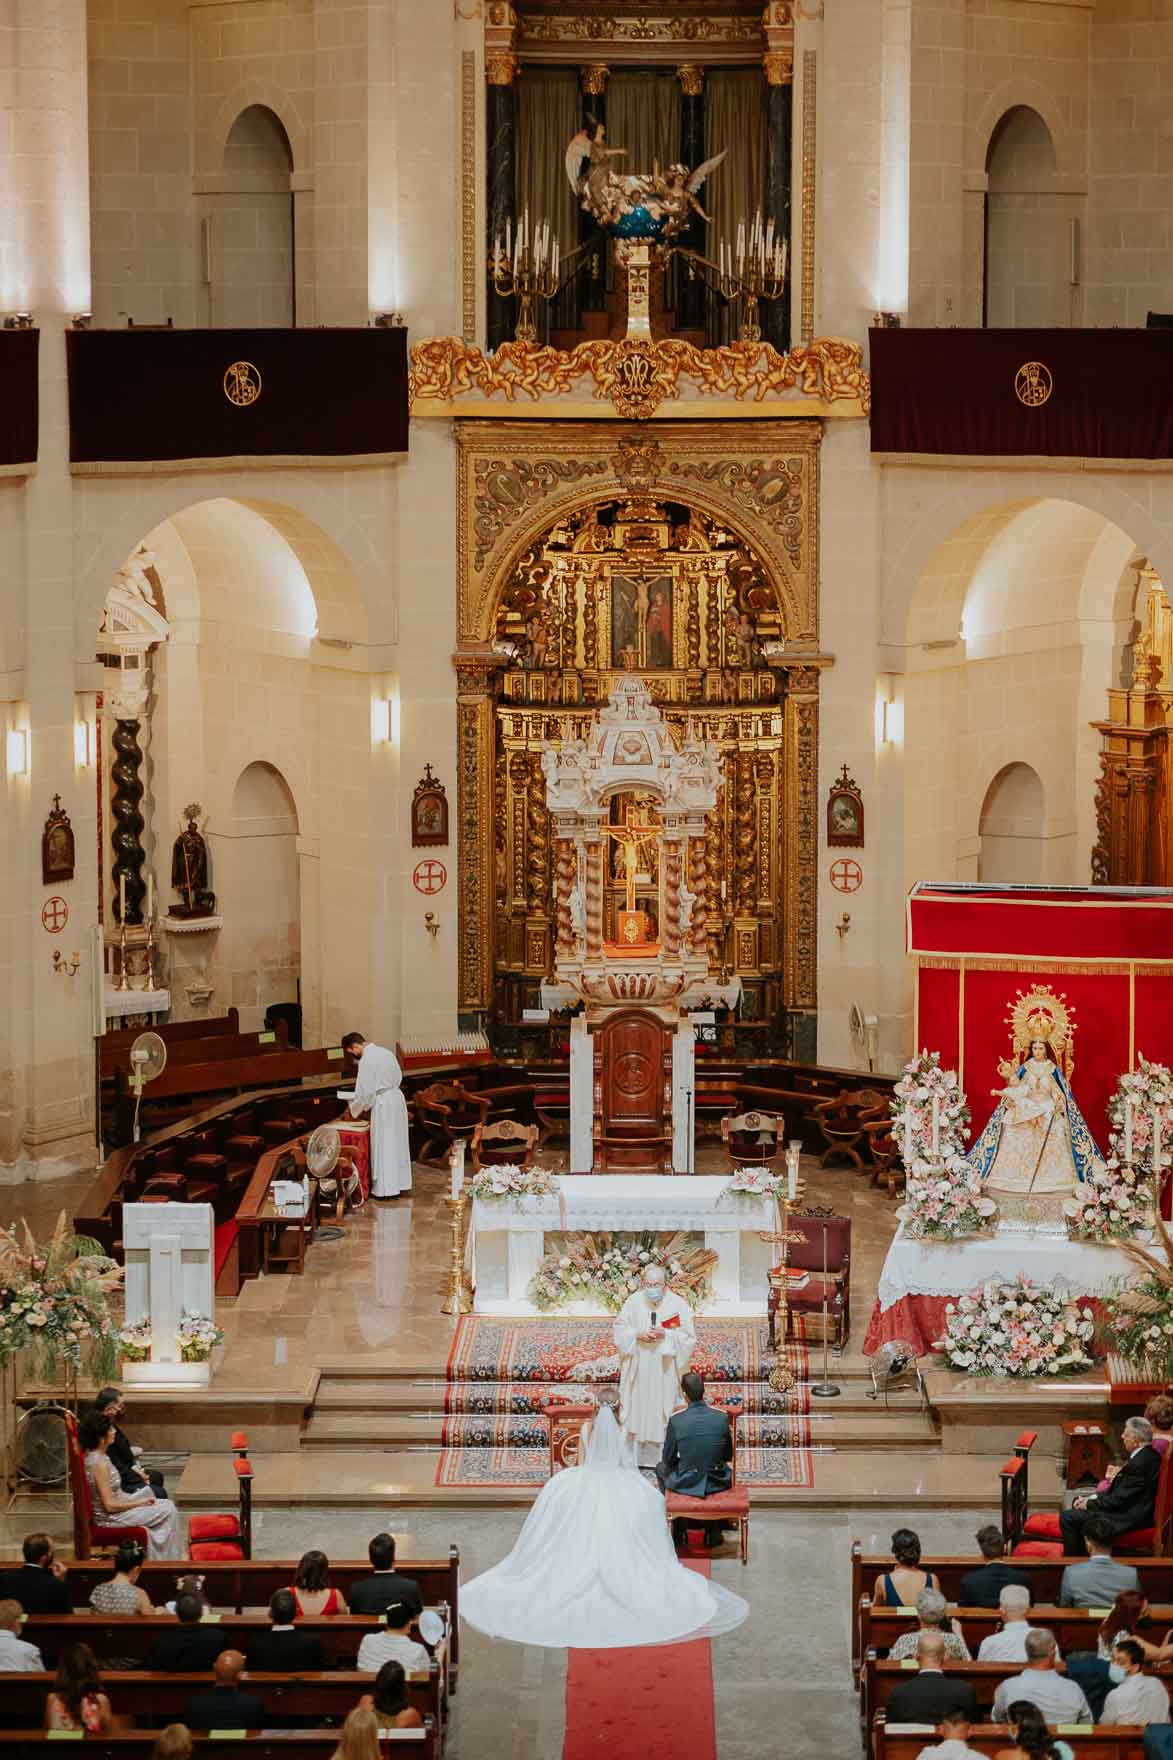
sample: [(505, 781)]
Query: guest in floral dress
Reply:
[(930, 1609), (120, 1594), (118, 1508)]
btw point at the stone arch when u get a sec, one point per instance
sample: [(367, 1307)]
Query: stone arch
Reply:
[(256, 863), (1013, 815), (252, 262), (1021, 93), (266, 95)]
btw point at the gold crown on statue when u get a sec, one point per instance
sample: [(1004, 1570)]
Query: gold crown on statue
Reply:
[(1041, 1014)]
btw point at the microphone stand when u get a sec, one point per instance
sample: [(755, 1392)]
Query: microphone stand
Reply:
[(826, 1388)]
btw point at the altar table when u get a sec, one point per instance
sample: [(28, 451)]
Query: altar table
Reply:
[(508, 1240), (921, 1277)]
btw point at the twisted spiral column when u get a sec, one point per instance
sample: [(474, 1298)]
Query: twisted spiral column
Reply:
[(564, 928), (594, 899), (671, 927), (126, 837), (698, 881)]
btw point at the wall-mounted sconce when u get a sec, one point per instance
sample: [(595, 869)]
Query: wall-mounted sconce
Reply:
[(431, 924), (885, 320), (388, 320), (17, 751), (843, 925), (66, 967), (18, 321), (83, 744), (82, 320), (889, 712), (385, 720)]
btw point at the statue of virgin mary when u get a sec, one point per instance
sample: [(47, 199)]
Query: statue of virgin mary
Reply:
[(1037, 1145)]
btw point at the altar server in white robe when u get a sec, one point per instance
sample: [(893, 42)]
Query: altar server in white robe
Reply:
[(655, 1337), (378, 1091)]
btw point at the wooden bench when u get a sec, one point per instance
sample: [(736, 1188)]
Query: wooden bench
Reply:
[(1075, 1628), (212, 1049), (188, 1082), (300, 1744), (1118, 1742), (236, 1585), (1156, 1575), (879, 1679)]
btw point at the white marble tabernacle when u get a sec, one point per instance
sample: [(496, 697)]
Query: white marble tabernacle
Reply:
[(508, 1240)]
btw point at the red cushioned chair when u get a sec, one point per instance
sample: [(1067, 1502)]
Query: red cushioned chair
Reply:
[(224, 1536), (1040, 1535), (88, 1533), (806, 1255), (723, 1506)]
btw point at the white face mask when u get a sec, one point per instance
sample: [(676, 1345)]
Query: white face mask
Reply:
[(1117, 1672)]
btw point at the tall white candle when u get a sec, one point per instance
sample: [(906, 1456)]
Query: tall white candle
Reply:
[(122, 896), (150, 897), (457, 1173), (1128, 1133), (936, 1125), (791, 1177)]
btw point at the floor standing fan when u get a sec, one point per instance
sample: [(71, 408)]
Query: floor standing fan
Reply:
[(323, 1152), (148, 1059)]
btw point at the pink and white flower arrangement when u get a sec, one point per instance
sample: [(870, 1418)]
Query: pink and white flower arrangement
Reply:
[(1017, 1328), (926, 1093), (945, 1198), (1111, 1205), (1141, 1104), (55, 1299), (134, 1341), (198, 1338), (754, 1182), (604, 1269), (509, 1183)]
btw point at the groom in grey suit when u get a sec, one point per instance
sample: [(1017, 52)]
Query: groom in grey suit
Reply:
[(698, 1446)]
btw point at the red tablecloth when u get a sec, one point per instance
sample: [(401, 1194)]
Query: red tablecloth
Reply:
[(918, 1320), (356, 1142)]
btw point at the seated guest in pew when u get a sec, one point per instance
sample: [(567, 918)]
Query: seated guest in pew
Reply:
[(930, 1608), (982, 1586), (393, 1645), (174, 1743), (1092, 1671), (122, 1454), (388, 1701), (926, 1697), (1138, 1697), (125, 1509), (955, 1728), (39, 1584), (374, 1594), (1159, 1413), (120, 1594), (900, 1586), (16, 1657), (360, 1735), (1060, 1700), (283, 1649), (1097, 1580), (77, 1700), (225, 1706), (312, 1593), (1032, 1739), (1128, 1501), (1008, 1645), (189, 1647)]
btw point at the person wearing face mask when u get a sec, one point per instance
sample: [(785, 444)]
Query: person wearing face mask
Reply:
[(1137, 1697), (655, 1337)]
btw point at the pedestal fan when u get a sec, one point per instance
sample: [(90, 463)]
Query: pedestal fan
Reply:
[(148, 1059)]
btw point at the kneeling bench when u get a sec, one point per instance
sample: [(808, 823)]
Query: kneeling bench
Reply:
[(723, 1506)]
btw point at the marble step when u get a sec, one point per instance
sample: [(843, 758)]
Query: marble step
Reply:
[(423, 1397), (406, 1429)]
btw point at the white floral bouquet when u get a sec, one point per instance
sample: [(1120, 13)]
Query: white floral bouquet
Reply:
[(510, 1183), (198, 1338), (754, 1182), (55, 1300), (925, 1090), (945, 1198), (606, 1268), (134, 1341), (1017, 1328), (1111, 1205), (1142, 1101)]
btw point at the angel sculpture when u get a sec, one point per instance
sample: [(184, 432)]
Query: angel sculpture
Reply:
[(632, 204)]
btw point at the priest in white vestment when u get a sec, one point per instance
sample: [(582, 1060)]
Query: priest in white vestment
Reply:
[(655, 1337), (378, 1091)]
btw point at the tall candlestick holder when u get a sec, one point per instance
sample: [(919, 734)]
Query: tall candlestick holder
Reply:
[(150, 953), (525, 268), (122, 983), (746, 274), (460, 1288), (782, 1377)]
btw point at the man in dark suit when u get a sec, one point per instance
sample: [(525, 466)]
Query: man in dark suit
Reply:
[(1130, 1498), (189, 1647), (983, 1586), (698, 1447), (283, 1649), (375, 1594), (39, 1583), (120, 1453), (928, 1696), (226, 1707)]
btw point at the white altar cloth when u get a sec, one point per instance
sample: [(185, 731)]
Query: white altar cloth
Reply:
[(508, 1240), (950, 1268)]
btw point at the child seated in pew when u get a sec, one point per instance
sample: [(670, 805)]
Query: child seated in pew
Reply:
[(77, 1701)]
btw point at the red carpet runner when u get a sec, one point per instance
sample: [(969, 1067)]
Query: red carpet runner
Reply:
[(627, 1704)]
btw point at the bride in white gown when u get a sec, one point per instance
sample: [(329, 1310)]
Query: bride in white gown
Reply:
[(594, 1567)]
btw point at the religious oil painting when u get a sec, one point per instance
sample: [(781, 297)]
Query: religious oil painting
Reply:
[(641, 622)]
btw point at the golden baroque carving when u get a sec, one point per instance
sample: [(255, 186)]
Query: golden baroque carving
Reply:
[(468, 193), (810, 154), (593, 78), (501, 67), (505, 487), (637, 375), (609, 28), (778, 66), (692, 78)]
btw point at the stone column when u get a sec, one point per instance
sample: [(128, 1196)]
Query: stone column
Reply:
[(126, 819), (690, 292), (779, 70), (501, 176), (593, 281)]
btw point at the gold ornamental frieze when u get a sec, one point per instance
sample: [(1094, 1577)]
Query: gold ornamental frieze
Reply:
[(639, 379)]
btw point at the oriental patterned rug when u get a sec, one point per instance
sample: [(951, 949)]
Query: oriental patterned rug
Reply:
[(502, 1371)]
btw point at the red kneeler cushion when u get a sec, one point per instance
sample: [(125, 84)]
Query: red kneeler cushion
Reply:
[(734, 1502), (1043, 1526), (213, 1528), (1138, 1540), (208, 1551), (1038, 1549)]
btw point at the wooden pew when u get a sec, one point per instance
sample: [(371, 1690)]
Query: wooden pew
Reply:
[(308, 1744), (1156, 1577), (144, 1699), (1075, 1628), (190, 1049), (880, 1678), (206, 1081), (173, 1032), (237, 1585), (1120, 1742)]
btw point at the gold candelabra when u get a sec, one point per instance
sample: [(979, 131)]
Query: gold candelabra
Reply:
[(122, 983), (460, 1289), (525, 268), (752, 270)]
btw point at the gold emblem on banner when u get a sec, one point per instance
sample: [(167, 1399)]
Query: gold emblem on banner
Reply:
[(1033, 384), (242, 384)]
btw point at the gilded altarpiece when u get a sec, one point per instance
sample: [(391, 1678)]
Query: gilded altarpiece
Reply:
[(689, 556)]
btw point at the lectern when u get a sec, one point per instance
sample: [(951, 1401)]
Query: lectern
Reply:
[(169, 1273)]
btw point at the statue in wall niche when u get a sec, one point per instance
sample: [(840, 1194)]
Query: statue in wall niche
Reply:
[(189, 869)]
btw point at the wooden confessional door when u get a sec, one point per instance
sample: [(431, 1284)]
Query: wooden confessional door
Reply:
[(632, 1118)]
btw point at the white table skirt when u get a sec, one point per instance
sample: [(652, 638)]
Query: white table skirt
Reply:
[(509, 1240), (950, 1268)]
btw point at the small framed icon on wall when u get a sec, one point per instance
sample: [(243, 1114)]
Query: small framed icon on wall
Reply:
[(429, 812), (845, 813)]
